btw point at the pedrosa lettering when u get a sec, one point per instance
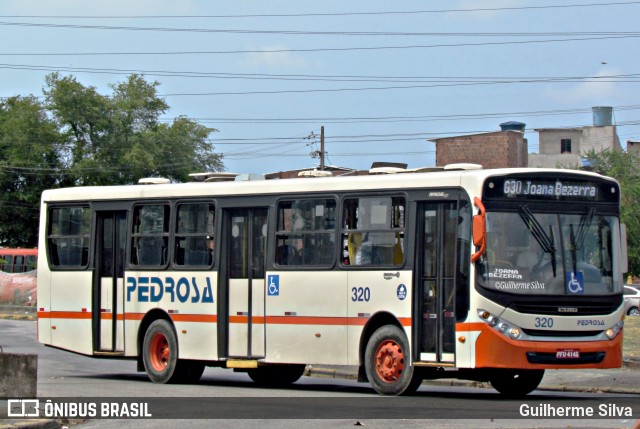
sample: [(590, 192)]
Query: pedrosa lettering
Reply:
[(590, 322), (153, 289)]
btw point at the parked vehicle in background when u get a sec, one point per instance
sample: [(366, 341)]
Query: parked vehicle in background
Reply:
[(18, 282), (18, 260), (632, 300)]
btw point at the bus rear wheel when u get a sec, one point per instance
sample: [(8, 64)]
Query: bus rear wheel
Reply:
[(160, 353), (276, 375), (516, 382), (387, 362)]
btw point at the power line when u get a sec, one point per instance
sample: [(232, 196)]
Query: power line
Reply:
[(343, 49), (298, 15), (417, 118), (327, 78), (326, 33), (630, 78)]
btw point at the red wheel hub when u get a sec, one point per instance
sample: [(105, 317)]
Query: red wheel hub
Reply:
[(389, 361), (159, 352)]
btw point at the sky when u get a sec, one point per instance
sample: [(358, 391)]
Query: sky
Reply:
[(382, 78)]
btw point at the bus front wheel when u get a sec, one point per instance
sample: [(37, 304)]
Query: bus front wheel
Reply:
[(160, 352), (516, 382), (387, 362)]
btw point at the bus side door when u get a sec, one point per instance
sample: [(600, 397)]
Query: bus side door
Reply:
[(435, 280), (242, 278), (108, 298)]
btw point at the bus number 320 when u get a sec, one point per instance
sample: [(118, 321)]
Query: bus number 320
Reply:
[(360, 294), (544, 322)]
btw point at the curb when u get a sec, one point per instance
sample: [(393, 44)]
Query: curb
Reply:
[(352, 375), (17, 312), (31, 424)]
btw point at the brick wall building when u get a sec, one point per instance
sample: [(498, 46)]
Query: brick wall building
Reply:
[(506, 148)]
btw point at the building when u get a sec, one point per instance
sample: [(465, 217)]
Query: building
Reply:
[(504, 148), (566, 146), (633, 146)]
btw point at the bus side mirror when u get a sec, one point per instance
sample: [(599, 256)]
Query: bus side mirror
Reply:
[(479, 230), (624, 256)]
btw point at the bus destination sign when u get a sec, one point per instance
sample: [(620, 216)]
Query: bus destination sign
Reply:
[(550, 188), (516, 187)]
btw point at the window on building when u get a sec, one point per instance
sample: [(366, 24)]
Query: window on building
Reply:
[(565, 146)]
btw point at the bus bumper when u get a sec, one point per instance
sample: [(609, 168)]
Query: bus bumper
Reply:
[(494, 350)]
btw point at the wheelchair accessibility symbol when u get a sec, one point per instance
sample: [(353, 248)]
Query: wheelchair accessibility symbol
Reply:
[(273, 285), (574, 283)]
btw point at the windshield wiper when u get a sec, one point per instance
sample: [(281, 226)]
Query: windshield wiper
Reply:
[(577, 238), (545, 241), (583, 226)]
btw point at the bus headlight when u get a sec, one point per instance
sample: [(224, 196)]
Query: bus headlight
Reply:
[(515, 333), (504, 328), (613, 332)]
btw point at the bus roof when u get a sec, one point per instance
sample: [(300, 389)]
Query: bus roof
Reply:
[(439, 179), (18, 251)]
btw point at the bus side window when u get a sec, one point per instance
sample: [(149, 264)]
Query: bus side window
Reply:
[(305, 233), (150, 236), (194, 235), (373, 231), (8, 266), (18, 264)]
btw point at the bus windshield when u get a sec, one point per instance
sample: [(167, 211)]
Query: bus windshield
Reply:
[(551, 253)]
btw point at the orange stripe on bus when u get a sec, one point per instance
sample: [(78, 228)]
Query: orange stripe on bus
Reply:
[(64, 315), (203, 318), (237, 319), (473, 326)]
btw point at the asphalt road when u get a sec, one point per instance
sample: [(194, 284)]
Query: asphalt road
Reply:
[(226, 399)]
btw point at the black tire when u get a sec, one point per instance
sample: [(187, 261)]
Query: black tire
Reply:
[(189, 371), (516, 382), (633, 311), (160, 353), (276, 375), (387, 361)]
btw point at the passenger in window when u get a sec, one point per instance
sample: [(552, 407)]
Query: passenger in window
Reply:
[(364, 255)]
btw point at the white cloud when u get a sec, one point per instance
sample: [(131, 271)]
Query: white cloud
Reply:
[(275, 60), (594, 91), (110, 7)]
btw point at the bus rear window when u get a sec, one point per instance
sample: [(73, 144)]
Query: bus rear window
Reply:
[(68, 236)]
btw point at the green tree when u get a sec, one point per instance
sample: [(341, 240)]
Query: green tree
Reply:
[(625, 168), (29, 147), (119, 139)]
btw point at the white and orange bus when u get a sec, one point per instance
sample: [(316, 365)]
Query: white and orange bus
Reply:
[(492, 275)]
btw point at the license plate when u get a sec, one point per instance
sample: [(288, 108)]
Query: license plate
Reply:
[(568, 354)]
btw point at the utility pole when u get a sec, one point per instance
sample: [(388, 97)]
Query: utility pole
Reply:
[(322, 148)]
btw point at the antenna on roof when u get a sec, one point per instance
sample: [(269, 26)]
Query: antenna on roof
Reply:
[(213, 177), (463, 166), (314, 173), (154, 181)]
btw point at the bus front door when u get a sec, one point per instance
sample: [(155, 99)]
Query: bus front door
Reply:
[(108, 296), (435, 278), (245, 233)]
